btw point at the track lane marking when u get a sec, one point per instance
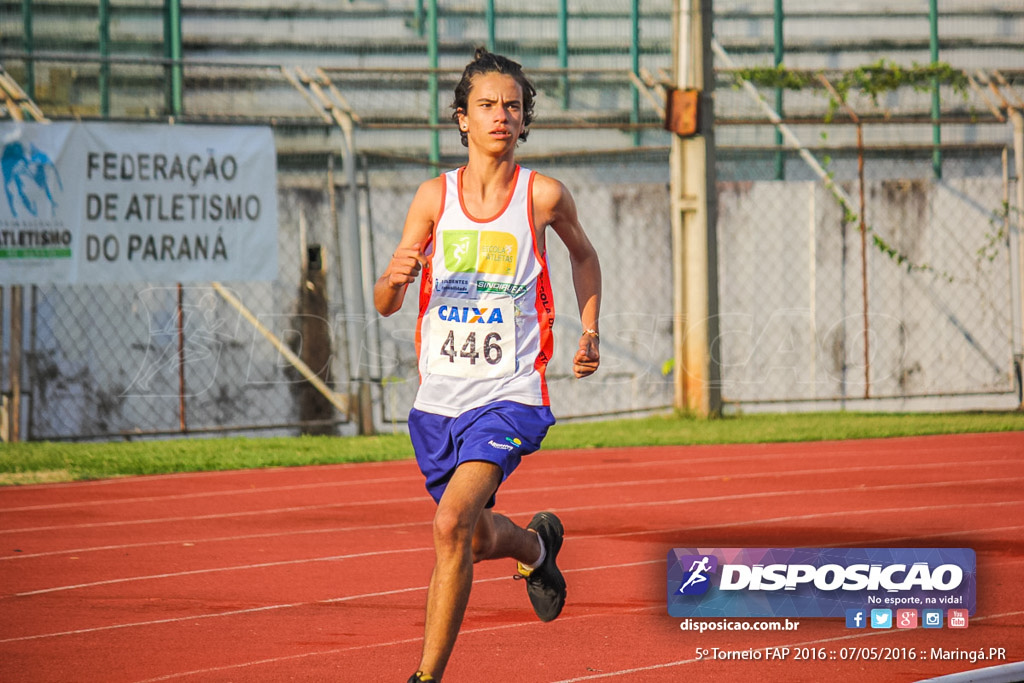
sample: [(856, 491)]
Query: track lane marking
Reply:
[(534, 470), (632, 533), (807, 643), (350, 598), (423, 499)]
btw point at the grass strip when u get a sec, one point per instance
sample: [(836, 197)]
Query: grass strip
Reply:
[(41, 462)]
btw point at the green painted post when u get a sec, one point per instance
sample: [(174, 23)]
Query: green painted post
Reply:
[(634, 54), (435, 115), (418, 18), (104, 84), (30, 46), (563, 48), (780, 48), (173, 53), (491, 42), (933, 18)]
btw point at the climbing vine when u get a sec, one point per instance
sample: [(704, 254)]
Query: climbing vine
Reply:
[(996, 239), (873, 80), (884, 76)]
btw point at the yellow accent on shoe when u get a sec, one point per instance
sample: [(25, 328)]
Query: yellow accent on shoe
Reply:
[(524, 570)]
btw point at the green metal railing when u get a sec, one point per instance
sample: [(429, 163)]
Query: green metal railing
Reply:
[(104, 47), (30, 67), (778, 54), (426, 17), (634, 65), (427, 14), (435, 113), (933, 42), (173, 54)]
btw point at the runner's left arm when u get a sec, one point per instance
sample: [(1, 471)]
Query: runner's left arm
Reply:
[(586, 272)]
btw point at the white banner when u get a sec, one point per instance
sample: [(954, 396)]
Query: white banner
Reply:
[(105, 202)]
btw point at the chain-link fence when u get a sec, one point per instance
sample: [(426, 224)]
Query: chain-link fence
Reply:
[(916, 305), (157, 359), (623, 204), (902, 277), (849, 318)]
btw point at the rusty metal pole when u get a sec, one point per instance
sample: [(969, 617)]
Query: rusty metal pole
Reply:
[(863, 226), (182, 417), (17, 340)]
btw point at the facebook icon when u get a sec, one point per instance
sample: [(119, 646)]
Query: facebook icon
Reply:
[(856, 618)]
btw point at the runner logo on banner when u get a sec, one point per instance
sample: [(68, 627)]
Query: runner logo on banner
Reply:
[(101, 202), (817, 582)]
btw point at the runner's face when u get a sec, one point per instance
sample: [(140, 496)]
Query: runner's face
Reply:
[(494, 115)]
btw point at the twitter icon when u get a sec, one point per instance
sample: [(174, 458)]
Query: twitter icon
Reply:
[(881, 618)]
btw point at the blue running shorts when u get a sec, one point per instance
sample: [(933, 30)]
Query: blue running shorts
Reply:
[(500, 432)]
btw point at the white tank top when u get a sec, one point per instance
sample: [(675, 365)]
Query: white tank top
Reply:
[(486, 310)]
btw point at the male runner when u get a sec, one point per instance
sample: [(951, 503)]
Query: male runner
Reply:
[(484, 338)]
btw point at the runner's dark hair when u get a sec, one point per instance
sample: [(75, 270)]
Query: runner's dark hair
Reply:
[(485, 62)]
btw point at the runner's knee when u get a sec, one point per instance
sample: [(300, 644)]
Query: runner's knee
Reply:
[(451, 528)]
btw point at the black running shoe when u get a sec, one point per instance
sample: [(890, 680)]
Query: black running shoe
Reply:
[(420, 677), (545, 584)]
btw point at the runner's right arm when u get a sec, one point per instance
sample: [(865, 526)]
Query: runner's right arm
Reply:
[(408, 260)]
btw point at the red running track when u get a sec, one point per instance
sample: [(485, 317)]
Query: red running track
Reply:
[(319, 573)]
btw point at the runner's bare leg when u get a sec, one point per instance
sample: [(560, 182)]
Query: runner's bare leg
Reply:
[(465, 532)]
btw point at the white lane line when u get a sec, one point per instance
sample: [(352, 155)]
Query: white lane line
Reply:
[(219, 515), (806, 643), (631, 534), (350, 598), (217, 570), (209, 494), (811, 516), (749, 475), (540, 469), (269, 608), (491, 629), (801, 492), (422, 499), (770, 474), (404, 641), (219, 539), (114, 480)]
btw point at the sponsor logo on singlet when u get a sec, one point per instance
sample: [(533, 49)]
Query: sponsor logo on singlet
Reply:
[(486, 251), (513, 290)]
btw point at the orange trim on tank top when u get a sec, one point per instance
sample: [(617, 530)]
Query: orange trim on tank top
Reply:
[(508, 200)]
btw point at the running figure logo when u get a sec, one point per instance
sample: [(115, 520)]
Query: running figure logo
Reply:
[(30, 178), (696, 580), (461, 248)]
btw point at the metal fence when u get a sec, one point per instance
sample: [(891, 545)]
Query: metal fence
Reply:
[(923, 312), (847, 319), (158, 359)]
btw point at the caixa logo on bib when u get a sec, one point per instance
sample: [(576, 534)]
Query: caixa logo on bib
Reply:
[(816, 582)]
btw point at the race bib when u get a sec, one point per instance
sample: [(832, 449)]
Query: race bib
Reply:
[(472, 338)]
